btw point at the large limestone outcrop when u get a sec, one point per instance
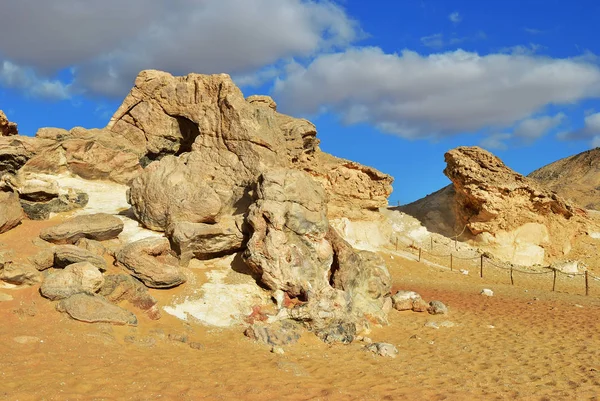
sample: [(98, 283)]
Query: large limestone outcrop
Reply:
[(294, 250), (7, 128), (576, 178), (516, 218), (232, 141)]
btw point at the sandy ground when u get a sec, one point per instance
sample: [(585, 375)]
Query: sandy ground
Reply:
[(524, 343)]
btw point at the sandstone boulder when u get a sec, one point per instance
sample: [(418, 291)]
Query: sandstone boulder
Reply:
[(11, 212), (65, 255), (7, 128), (95, 309), (73, 279), (123, 287), (100, 227), (172, 191), (409, 300), (44, 259), (19, 274), (151, 261), (204, 241)]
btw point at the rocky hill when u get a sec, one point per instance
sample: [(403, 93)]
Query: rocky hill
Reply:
[(576, 178)]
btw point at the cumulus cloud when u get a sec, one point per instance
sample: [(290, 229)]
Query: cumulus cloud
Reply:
[(455, 17), (18, 77), (418, 96), (589, 131), (110, 41), (536, 127)]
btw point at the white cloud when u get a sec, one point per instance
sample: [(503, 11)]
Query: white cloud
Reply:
[(417, 96), (18, 77), (455, 17), (535, 127), (496, 141), (110, 41), (589, 131)]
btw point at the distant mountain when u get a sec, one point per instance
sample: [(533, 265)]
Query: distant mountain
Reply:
[(575, 177)]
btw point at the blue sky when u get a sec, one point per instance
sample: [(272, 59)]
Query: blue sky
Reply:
[(391, 84)]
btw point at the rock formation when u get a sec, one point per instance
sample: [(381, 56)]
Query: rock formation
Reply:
[(7, 128), (232, 141), (516, 218), (576, 178), (218, 174)]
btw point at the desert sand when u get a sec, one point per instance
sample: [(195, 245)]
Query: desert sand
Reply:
[(525, 343)]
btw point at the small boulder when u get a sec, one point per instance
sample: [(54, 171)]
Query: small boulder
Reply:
[(65, 255), (91, 245), (383, 349), (44, 259), (20, 274), (282, 332), (100, 227), (124, 287), (151, 261), (409, 300), (11, 212), (74, 279), (202, 241), (437, 308), (95, 309), (487, 292)]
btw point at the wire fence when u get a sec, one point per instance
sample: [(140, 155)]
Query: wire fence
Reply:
[(481, 261)]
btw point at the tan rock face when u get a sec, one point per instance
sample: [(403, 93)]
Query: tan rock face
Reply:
[(6, 127), (490, 197), (232, 141)]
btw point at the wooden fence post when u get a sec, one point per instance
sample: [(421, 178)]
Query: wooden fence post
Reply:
[(419, 254), (512, 282), (451, 262), (396, 243), (554, 280), (587, 285), (481, 267)]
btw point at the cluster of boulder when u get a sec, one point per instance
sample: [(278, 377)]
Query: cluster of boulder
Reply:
[(217, 174)]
